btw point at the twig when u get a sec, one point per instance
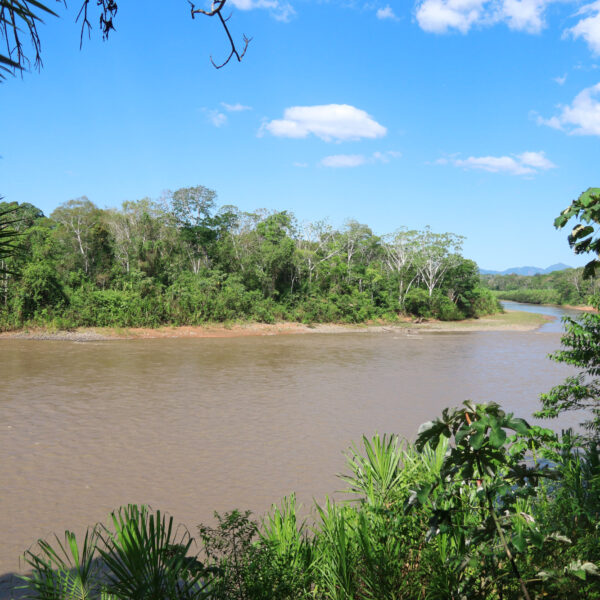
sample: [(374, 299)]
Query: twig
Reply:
[(215, 10)]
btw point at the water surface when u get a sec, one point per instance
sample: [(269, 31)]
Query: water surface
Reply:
[(196, 425)]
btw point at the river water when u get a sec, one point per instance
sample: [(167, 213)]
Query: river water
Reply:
[(196, 425)]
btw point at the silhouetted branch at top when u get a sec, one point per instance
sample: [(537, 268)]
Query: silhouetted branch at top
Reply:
[(20, 17), (216, 10), (107, 14), (19, 20)]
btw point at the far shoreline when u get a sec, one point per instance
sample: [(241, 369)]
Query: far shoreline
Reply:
[(581, 307), (507, 321)]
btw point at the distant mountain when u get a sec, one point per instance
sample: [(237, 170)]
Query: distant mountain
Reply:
[(526, 270)]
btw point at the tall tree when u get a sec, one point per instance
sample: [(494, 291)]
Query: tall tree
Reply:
[(401, 260), (78, 218), (436, 254)]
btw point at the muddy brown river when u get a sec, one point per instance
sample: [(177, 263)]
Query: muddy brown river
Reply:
[(193, 426)]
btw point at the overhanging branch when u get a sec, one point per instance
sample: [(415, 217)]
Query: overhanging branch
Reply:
[(216, 10)]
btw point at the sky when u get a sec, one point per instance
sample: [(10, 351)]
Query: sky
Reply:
[(477, 117)]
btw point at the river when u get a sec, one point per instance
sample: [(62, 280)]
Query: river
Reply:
[(191, 426)]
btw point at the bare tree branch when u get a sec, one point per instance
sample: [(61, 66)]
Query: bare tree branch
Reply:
[(19, 20), (215, 10)]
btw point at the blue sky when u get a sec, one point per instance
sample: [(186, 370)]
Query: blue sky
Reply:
[(479, 117)]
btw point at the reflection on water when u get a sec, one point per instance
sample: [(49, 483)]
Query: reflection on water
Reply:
[(196, 425)]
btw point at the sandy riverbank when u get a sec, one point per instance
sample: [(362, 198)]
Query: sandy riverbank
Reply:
[(509, 321), (589, 309)]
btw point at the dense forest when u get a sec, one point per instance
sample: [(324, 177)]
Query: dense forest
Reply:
[(559, 287), (181, 260)]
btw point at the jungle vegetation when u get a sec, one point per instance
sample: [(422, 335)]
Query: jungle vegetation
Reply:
[(181, 260), (559, 287)]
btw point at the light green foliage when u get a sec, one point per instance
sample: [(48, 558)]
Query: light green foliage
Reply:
[(65, 570), (559, 287), (181, 261), (141, 557)]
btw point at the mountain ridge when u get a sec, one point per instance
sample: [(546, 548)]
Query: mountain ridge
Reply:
[(526, 270)]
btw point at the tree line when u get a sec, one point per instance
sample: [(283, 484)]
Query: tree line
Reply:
[(183, 260), (559, 287)]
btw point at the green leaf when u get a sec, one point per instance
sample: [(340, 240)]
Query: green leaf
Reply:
[(476, 441), (424, 492), (519, 542), (497, 437)]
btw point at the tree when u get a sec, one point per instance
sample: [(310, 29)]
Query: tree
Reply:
[(401, 253), (8, 232), (581, 341), (192, 209), (138, 231), (437, 252), (19, 20), (78, 217)]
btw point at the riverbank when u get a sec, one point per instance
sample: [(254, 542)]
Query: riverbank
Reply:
[(508, 321), (581, 307)]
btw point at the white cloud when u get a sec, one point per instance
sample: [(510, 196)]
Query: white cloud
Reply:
[(300, 165), (582, 117), (537, 160), (560, 80), (527, 163), (217, 118), (440, 16), (330, 122), (357, 160), (386, 12), (237, 107), (437, 16), (524, 15), (281, 11), (588, 28)]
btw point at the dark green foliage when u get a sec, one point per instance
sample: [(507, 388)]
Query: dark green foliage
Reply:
[(247, 565), (182, 262), (582, 238), (146, 558)]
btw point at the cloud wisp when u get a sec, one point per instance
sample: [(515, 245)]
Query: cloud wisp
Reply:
[(280, 11), (386, 13), (581, 117), (216, 117), (342, 161), (526, 163), (237, 107), (328, 122)]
